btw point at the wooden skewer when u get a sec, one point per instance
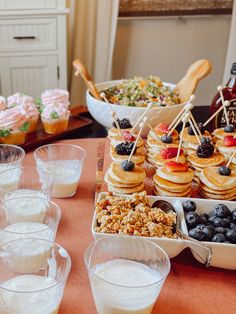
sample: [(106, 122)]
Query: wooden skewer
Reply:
[(220, 88), (141, 125), (191, 98), (103, 96), (141, 117), (188, 108), (231, 158), (185, 119), (209, 120), (195, 132), (155, 135), (195, 124), (117, 124)]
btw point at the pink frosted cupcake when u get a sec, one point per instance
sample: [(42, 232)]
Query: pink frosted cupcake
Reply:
[(26, 103), (3, 103), (55, 96), (55, 118), (13, 126)]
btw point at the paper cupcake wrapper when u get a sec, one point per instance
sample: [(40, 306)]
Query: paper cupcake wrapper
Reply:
[(15, 138), (55, 126), (33, 122)]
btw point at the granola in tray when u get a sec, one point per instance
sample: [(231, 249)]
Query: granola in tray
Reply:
[(133, 216)]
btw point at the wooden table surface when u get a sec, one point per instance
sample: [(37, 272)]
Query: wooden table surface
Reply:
[(190, 287)]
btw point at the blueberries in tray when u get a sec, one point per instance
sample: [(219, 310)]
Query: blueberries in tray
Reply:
[(219, 227)]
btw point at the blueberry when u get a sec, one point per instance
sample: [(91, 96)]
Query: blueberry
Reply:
[(209, 232), (221, 211), (234, 215), (205, 140), (189, 206), (220, 230), (196, 234), (127, 165), (166, 139), (232, 225), (224, 171), (204, 218), (231, 235), (192, 219), (229, 128), (225, 223), (218, 237), (200, 226), (211, 219)]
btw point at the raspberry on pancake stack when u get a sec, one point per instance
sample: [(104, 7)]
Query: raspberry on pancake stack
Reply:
[(173, 179)]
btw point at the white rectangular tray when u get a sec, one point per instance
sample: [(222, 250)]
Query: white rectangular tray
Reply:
[(223, 255)]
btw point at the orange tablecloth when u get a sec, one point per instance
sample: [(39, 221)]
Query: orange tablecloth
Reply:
[(190, 287)]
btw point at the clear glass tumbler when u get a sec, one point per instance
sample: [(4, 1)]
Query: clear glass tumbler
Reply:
[(65, 162), (11, 156), (39, 291), (26, 180), (126, 274)]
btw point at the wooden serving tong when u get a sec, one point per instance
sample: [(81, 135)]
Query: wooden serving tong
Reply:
[(80, 69), (188, 84)]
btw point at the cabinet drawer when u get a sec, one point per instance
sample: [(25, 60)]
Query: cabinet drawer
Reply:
[(28, 34), (27, 4)]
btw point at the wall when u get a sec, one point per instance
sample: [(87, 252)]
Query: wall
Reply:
[(166, 46)]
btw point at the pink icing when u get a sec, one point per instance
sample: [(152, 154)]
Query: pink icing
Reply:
[(3, 103), (19, 99), (55, 96), (13, 118), (59, 108)]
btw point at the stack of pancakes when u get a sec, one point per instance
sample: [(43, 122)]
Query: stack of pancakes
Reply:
[(227, 151), (198, 164), (118, 139), (138, 158), (113, 132), (173, 183), (154, 146), (124, 182), (219, 134), (190, 142), (216, 186)]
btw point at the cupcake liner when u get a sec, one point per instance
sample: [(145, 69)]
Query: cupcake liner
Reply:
[(55, 126), (33, 122), (15, 138)]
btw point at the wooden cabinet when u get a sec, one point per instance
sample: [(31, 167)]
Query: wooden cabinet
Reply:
[(32, 46)]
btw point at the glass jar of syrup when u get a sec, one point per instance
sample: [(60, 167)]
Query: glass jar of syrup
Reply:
[(229, 93)]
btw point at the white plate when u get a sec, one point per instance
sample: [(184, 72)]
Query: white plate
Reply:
[(223, 255)]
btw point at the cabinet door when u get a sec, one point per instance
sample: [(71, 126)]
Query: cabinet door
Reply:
[(28, 74)]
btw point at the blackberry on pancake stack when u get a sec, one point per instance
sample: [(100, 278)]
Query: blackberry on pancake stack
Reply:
[(122, 151)]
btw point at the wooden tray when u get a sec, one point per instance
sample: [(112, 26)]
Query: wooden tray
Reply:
[(39, 137)]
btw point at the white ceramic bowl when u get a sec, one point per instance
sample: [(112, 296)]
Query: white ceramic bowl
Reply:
[(223, 255), (101, 111)]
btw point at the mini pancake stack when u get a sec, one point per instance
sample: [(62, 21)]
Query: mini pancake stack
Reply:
[(127, 136), (120, 153), (155, 144), (227, 145), (205, 156), (173, 179), (213, 185), (165, 155), (221, 133), (190, 142), (124, 182)]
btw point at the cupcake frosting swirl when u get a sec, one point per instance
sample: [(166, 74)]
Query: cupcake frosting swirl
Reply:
[(3, 103), (12, 119), (55, 96), (55, 111)]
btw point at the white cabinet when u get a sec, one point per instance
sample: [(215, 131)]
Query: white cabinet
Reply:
[(32, 46)]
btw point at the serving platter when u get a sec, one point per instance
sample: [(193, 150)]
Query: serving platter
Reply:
[(223, 254)]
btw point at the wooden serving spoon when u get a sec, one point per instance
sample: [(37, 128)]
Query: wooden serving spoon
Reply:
[(187, 85), (80, 69)]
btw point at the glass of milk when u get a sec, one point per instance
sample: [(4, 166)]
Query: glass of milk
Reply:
[(11, 156), (26, 180), (37, 292), (65, 163), (126, 274)]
